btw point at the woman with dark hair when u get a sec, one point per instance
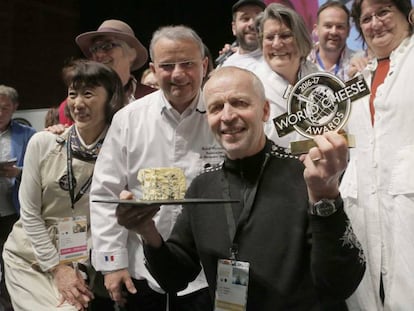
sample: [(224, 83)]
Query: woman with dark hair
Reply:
[(378, 186), (49, 246)]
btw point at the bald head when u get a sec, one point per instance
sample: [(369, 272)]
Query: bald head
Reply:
[(236, 110), (232, 73)]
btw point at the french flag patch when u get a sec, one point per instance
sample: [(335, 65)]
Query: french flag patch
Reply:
[(109, 258)]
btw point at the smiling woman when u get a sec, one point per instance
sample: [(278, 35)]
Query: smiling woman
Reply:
[(285, 41), (54, 196), (378, 190)]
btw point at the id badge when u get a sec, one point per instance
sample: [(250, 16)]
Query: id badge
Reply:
[(232, 284), (73, 245)]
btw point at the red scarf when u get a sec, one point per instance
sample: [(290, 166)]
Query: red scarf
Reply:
[(378, 78)]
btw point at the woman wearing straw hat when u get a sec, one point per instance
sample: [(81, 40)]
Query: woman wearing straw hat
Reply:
[(114, 44)]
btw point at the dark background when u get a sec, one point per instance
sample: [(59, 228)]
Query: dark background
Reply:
[(37, 36)]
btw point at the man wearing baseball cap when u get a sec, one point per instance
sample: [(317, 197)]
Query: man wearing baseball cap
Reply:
[(241, 3), (248, 53)]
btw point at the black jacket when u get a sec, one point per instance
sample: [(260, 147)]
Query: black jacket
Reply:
[(297, 261)]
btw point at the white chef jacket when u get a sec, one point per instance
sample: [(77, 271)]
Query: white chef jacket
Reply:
[(378, 186), (146, 133), (277, 91)]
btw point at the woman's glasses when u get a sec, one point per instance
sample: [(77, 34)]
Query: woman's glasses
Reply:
[(382, 14)]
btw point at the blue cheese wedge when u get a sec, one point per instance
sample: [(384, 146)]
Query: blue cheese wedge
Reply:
[(163, 183)]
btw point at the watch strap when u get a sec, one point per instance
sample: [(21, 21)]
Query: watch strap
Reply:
[(325, 207)]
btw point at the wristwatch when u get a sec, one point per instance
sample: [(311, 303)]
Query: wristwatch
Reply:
[(325, 207)]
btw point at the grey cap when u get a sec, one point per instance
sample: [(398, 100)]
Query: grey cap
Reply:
[(241, 3)]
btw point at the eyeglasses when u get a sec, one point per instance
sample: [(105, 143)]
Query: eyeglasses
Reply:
[(381, 14), (186, 65), (285, 37), (103, 46)]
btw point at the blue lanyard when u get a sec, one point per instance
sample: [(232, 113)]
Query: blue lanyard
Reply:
[(336, 70)]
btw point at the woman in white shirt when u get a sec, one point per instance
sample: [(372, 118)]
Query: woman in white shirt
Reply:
[(378, 185)]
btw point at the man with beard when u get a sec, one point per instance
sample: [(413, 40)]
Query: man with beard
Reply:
[(248, 53), (330, 53)]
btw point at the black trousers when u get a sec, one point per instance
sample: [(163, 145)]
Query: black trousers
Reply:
[(102, 301), (147, 299)]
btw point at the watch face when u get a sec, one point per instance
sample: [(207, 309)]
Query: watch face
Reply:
[(325, 208)]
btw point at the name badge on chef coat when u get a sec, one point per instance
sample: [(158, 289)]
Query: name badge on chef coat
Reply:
[(72, 239), (232, 284)]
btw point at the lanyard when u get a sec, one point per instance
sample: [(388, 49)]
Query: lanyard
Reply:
[(248, 200), (71, 178), (336, 70)]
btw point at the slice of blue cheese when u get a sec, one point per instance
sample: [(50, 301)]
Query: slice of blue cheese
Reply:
[(162, 183)]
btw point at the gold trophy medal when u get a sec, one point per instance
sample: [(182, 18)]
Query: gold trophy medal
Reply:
[(318, 103)]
